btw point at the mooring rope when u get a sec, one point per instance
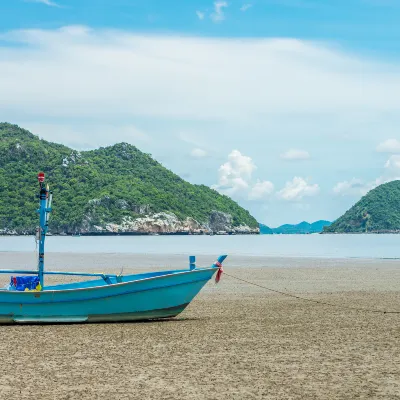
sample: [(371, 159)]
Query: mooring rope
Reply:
[(368, 310)]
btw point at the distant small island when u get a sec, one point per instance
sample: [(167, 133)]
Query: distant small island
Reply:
[(377, 212), (302, 228)]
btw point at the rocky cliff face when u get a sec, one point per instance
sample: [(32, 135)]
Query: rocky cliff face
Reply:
[(167, 223), (12, 232), (94, 221), (220, 222), (162, 223)]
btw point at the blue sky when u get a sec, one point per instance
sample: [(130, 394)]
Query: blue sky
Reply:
[(364, 25), (291, 107)]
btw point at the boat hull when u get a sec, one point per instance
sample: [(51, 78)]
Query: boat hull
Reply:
[(152, 297)]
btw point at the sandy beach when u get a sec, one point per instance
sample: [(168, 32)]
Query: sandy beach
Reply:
[(234, 341)]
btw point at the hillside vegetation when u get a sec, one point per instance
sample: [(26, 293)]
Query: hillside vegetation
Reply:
[(103, 185), (376, 212)]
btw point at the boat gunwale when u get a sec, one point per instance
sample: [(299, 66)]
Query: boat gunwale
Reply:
[(117, 284)]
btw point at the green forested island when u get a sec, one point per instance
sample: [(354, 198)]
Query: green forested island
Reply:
[(377, 212), (108, 190)]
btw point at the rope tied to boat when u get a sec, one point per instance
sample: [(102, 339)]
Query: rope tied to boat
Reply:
[(220, 271), (367, 310)]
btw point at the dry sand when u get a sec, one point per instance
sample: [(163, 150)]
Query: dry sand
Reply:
[(234, 341)]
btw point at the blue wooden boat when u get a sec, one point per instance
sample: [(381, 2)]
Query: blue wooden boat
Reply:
[(111, 297)]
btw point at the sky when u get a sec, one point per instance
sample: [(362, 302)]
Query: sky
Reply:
[(290, 107)]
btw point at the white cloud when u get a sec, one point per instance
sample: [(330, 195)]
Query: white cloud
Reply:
[(393, 164), (235, 174), (261, 190), (198, 153), (200, 15), (235, 178), (357, 187), (218, 14), (295, 154), (390, 173), (46, 2), (354, 187), (246, 6), (298, 188), (119, 74), (389, 146)]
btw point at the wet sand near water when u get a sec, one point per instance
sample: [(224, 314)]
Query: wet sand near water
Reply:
[(234, 341)]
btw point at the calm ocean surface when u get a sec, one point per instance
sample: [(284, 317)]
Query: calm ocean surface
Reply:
[(335, 246)]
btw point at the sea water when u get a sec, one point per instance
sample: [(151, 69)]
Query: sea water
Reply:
[(320, 246)]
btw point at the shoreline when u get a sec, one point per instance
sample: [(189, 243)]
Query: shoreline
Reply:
[(94, 234), (135, 234), (238, 260)]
